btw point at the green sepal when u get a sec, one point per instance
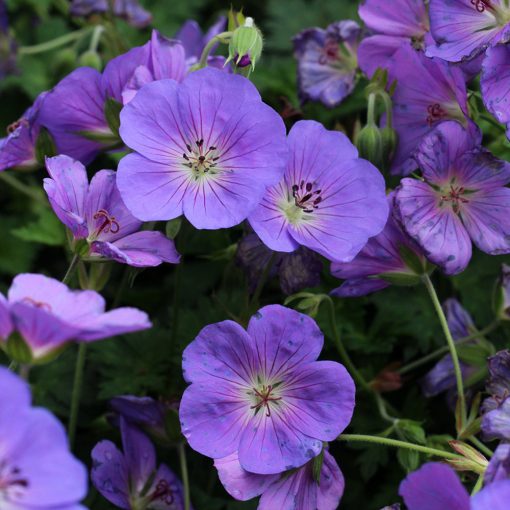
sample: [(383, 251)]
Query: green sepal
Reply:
[(107, 139), (173, 227), (317, 466), (411, 259), (400, 279), (18, 350), (112, 109), (91, 59), (44, 146)]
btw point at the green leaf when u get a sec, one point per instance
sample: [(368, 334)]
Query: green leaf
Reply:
[(47, 229)]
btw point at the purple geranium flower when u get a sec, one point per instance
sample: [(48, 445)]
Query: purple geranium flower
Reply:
[(97, 214), (132, 480), (130, 10), (48, 315), (383, 259), (436, 486), (327, 62), (295, 490), (262, 393), (207, 147), (461, 198), (462, 29), (18, 148), (37, 470), (297, 270), (442, 376), (499, 465), (329, 200), (428, 92), (393, 24)]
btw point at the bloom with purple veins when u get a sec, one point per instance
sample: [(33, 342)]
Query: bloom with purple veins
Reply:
[(296, 270), (436, 486), (130, 10), (37, 470), (382, 260), (462, 29), (262, 392), (327, 62), (131, 480), (329, 200), (95, 212), (461, 199), (206, 148), (393, 24), (48, 315), (499, 465), (428, 92), (296, 490)]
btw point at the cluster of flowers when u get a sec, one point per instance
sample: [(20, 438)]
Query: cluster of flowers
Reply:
[(203, 144)]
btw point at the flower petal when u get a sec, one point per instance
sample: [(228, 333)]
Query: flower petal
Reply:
[(495, 496), (494, 82)]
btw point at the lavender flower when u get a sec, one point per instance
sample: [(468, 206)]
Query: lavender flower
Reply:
[(329, 200), (442, 376), (389, 257), (48, 315), (295, 490), (262, 393), (132, 480), (499, 465), (207, 147), (436, 486), (37, 470), (297, 270), (327, 62), (463, 29), (393, 24), (428, 92), (97, 214), (461, 199), (130, 10)]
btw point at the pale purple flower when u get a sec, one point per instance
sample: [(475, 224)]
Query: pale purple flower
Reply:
[(95, 212), (499, 465), (461, 199), (206, 148), (329, 200), (48, 315), (442, 376), (428, 92), (437, 487), (262, 392), (37, 470), (462, 29), (130, 10), (295, 490), (132, 480), (383, 260), (392, 24), (296, 270), (327, 62)]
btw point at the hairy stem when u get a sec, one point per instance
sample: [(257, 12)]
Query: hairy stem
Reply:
[(55, 43), (209, 46)]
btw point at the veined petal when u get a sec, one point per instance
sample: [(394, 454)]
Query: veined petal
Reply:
[(495, 82), (494, 496)]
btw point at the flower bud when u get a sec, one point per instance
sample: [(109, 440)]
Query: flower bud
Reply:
[(91, 59), (503, 294), (369, 144), (389, 142), (245, 47)]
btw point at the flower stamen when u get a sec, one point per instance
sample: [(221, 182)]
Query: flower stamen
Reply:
[(305, 197), (37, 304), (200, 161), (108, 224), (455, 196), (264, 398), (435, 113), (163, 492)]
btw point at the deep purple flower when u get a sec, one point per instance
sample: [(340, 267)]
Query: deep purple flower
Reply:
[(327, 62), (48, 315), (393, 24), (442, 376), (496, 422), (383, 260), (18, 148), (297, 270), (329, 200), (37, 470), (462, 29), (206, 148), (132, 480), (428, 92), (499, 465), (262, 393), (296, 490), (130, 10), (436, 486), (461, 199), (97, 214)]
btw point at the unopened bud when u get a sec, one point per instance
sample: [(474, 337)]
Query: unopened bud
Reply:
[(369, 144), (389, 142), (245, 47), (91, 59)]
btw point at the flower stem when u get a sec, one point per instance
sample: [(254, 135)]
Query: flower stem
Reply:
[(443, 350), (262, 280), (397, 444), (76, 395), (451, 346), (209, 46), (96, 37), (484, 449), (184, 475), (22, 188), (54, 43), (478, 486), (71, 269)]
